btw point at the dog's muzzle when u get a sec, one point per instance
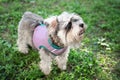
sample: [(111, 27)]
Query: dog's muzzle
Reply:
[(81, 32)]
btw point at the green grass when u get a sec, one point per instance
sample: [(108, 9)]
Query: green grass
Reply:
[(97, 59)]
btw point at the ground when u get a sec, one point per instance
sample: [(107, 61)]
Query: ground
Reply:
[(98, 58)]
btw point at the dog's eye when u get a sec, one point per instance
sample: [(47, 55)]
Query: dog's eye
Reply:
[(75, 20)]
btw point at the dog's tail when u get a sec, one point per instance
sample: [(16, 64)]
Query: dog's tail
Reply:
[(32, 18)]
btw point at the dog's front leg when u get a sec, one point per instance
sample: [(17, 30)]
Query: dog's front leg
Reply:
[(46, 61), (62, 60)]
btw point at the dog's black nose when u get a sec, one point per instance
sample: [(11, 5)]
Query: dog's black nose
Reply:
[(81, 25)]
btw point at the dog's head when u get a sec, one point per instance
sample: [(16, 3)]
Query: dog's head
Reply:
[(69, 27)]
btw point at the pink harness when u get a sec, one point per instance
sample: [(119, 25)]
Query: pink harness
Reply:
[(42, 40)]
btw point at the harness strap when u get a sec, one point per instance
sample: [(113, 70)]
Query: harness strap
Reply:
[(47, 50)]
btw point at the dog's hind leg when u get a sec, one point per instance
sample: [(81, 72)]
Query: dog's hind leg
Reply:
[(22, 42), (23, 35)]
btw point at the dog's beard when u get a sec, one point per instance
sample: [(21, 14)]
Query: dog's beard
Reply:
[(73, 36)]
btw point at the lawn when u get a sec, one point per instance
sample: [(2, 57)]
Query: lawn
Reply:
[(98, 58)]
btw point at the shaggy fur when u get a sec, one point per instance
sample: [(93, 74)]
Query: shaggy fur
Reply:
[(66, 30)]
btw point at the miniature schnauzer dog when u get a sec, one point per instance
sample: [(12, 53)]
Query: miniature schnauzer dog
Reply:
[(52, 37)]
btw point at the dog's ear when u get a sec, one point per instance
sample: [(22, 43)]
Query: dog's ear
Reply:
[(53, 26), (54, 23)]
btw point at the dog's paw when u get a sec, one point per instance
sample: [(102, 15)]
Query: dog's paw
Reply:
[(62, 67), (45, 69), (46, 72), (23, 50)]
